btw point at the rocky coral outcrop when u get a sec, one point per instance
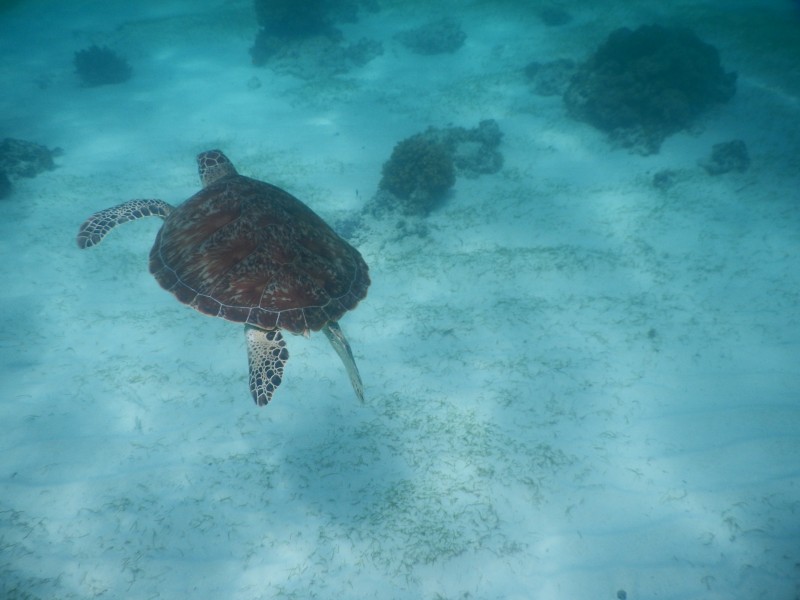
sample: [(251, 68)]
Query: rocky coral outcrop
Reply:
[(422, 168), (443, 36), (99, 65), (643, 85)]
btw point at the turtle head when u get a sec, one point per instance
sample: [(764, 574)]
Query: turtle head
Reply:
[(213, 165)]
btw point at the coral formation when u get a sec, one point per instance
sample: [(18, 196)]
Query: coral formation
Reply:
[(19, 158), (437, 37), (726, 157), (644, 85), (419, 173), (101, 66), (474, 151), (361, 52), (664, 179), (423, 168), (292, 19), (301, 37)]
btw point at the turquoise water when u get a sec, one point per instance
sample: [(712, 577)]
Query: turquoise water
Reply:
[(578, 383)]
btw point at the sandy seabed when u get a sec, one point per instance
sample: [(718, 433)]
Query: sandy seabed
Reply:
[(578, 385)]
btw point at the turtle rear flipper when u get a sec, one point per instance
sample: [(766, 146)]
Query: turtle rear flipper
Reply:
[(336, 337), (96, 227), (267, 355)]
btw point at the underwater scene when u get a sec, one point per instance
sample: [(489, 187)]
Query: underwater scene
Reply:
[(392, 299)]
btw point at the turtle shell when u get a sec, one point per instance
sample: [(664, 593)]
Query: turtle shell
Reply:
[(248, 251)]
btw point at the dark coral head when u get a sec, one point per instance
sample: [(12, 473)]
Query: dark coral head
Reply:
[(99, 65), (420, 170), (643, 85)]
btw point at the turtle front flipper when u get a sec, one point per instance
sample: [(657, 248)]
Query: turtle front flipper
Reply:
[(96, 227), (267, 355), (336, 337)]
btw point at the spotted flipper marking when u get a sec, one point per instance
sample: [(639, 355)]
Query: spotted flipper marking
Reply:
[(267, 355)]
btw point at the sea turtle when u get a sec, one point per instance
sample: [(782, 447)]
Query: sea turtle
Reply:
[(248, 251)]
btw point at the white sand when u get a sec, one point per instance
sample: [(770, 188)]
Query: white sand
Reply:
[(576, 383)]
